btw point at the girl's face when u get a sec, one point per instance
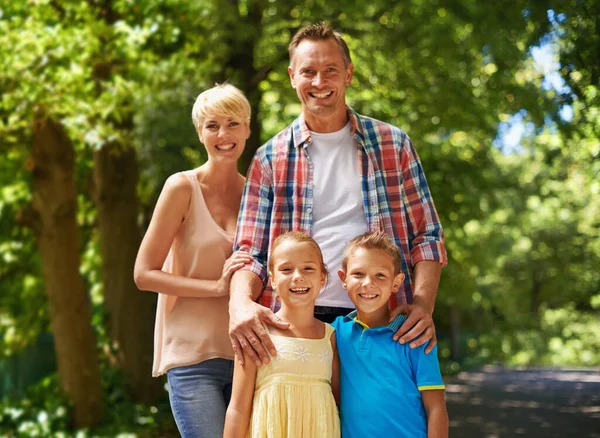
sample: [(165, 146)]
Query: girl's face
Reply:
[(296, 275), (223, 137)]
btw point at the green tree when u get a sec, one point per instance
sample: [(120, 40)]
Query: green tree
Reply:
[(31, 113)]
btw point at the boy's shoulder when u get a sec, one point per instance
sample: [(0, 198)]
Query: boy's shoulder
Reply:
[(343, 322), (349, 328), (337, 325)]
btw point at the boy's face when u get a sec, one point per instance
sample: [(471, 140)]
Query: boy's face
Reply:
[(369, 279)]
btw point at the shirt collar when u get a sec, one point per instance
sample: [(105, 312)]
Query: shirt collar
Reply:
[(393, 326), (301, 133)]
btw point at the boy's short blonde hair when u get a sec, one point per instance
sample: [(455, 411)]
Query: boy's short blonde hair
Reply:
[(374, 240), (223, 100)]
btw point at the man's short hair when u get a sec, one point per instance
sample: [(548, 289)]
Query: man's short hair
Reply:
[(223, 100), (319, 32), (374, 240)]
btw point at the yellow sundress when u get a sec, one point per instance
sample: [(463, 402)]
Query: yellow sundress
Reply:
[(292, 396)]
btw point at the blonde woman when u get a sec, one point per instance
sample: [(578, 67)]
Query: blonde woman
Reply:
[(186, 256)]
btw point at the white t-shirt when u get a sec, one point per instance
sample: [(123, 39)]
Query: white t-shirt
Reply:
[(338, 211)]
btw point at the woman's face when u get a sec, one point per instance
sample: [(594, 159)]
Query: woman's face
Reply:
[(224, 137)]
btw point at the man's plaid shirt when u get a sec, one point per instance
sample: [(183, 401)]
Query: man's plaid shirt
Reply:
[(278, 196)]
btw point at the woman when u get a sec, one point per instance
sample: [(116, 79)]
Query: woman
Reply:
[(186, 256)]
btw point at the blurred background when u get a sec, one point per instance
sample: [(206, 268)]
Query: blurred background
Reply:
[(501, 100)]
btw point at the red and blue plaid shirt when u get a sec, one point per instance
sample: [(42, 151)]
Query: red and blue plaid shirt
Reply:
[(278, 196)]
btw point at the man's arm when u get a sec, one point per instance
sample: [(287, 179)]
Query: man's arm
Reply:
[(426, 279), (427, 252), (246, 318)]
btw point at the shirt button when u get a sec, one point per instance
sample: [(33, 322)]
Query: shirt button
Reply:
[(309, 210)]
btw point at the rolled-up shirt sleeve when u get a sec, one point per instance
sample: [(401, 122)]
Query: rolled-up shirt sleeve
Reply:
[(425, 233)]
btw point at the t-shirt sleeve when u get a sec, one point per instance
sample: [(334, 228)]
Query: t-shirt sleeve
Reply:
[(426, 368), (336, 322)]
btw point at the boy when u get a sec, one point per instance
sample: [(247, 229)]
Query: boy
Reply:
[(387, 389)]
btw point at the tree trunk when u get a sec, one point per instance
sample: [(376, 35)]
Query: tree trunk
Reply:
[(130, 321), (130, 313), (536, 294), (55, 204), (239, 68), (253, 143)]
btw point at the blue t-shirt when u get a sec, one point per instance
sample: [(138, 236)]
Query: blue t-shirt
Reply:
[(381, 380)]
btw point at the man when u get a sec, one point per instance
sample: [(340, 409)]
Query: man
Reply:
[(334, 174)]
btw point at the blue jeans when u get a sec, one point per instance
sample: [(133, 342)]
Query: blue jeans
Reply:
[(199, 395)]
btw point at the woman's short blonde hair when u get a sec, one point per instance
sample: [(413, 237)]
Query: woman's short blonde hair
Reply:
[(223, 100)]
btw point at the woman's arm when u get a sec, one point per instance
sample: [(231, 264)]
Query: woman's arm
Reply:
[(170, 211), (335, 371), (437, 416), (239, 411)]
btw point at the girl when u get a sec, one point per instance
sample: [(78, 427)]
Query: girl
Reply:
[(292, 395), (186, 256)]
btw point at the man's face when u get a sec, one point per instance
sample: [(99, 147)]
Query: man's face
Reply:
[(320, 78)]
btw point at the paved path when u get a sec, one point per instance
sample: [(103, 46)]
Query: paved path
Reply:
[(536, 403)]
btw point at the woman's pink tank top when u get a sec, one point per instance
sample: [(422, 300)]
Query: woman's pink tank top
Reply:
[(191, 330)]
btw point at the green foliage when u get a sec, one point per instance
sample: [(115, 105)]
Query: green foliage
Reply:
[(44, 412), (23, 311), (564, 337), (521, 229)]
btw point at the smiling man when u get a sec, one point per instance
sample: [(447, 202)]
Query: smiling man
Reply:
[(334, 174)]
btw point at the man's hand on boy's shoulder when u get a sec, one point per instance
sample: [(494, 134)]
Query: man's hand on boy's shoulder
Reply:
[(418, 327)]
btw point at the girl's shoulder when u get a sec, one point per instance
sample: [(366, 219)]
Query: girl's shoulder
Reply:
[(329, 330)]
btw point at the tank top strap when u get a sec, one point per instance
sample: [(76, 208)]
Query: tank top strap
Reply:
[(191, 176), (196, 199), (328, 331)]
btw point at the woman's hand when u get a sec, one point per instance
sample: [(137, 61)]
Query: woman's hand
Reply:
[(232, 264)]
